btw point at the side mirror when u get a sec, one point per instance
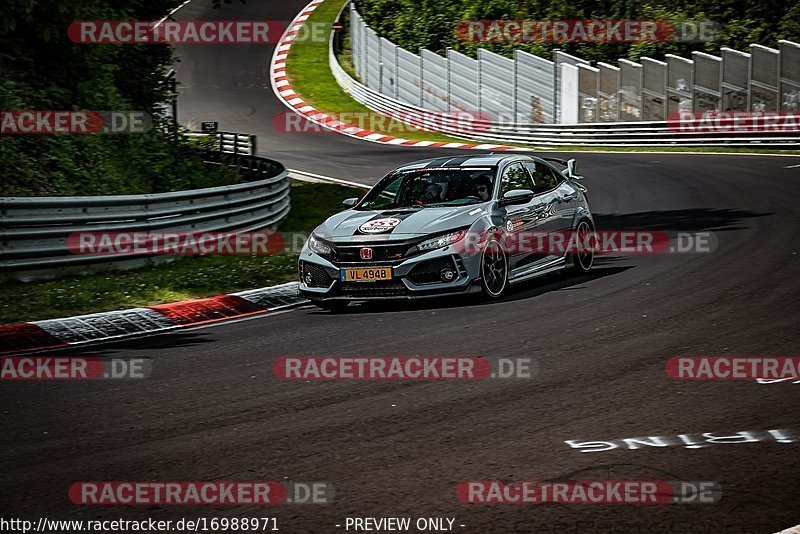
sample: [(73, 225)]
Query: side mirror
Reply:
[(572, 170), (350, 202), (517, 196)]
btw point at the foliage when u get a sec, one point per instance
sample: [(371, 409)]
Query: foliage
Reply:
[(431, 23), (43, 70)]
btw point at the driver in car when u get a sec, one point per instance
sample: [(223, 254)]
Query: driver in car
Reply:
[(483, 186), (433, 193)]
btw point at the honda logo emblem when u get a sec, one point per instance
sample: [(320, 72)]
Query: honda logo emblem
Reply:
[(365, 253)]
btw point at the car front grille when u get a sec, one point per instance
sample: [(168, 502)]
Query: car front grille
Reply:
[(389, 288), (380, 253), (319, 276)]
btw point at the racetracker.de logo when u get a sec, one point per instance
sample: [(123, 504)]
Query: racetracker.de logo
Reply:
[(81, 122), (730, 122), (392, 122), (585, 31), (588, 492), (401, 368), (175, 32), (72, 368), (177, 493), (701, 368), (175, 243)]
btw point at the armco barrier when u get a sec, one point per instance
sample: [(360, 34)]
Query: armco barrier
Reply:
[(534, 92), (34, 231)]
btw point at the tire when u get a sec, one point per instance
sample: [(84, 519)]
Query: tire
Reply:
[(494, 270), (582, 261), (333, 306)]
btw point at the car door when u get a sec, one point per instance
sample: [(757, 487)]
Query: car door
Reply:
[(558, 200), (519, 217)]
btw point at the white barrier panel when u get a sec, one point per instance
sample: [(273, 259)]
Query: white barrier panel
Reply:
[(496, 75), (372, 46), (707, 77), (789, 82), (569, 94), (763, 78), (587, 93), (562, 58), (389, 61), (630, 90), (654, 89), (534, 83), (434, 81), (608, 93), (408, 80), (735, 68), (463, 82), (680, 78)]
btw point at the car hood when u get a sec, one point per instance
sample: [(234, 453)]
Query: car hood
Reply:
[(349, 225)]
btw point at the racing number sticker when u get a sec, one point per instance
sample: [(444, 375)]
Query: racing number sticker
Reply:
[(379, 225)]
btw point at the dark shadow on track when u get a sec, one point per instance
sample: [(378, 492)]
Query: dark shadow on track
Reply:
[(687, 220), (167, 340), (538, 286)]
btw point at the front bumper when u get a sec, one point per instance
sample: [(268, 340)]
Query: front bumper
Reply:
[(415, 277)]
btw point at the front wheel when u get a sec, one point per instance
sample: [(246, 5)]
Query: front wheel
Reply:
[(583, 258), (494, 269)]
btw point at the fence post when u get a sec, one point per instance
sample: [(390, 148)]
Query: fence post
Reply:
[(556, 92)]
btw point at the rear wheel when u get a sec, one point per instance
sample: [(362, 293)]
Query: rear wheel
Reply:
[(494, 269), (583, 258)]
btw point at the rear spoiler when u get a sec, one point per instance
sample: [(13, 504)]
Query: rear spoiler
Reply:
[(571, 165)]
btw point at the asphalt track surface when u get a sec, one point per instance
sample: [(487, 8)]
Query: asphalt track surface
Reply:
[(214, 411)]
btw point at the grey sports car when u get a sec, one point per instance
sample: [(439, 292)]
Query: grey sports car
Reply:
[(443, 226)]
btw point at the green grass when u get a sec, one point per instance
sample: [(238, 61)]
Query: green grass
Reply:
[(311, 78), (183, 279)]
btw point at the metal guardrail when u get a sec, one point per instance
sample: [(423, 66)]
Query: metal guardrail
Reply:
[(34, 231), (388, 92), (229, 142)]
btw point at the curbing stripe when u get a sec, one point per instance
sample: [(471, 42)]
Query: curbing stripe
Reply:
[(107, 325), (292, 100), (24, 337), (206, 310), (97, 327)]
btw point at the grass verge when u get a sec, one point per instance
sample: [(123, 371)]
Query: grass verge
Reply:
[(185, 278), (312, 79)]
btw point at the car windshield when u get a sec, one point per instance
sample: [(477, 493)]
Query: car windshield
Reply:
[(421, 188)]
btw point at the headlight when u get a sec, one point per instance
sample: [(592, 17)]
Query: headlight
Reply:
[(317, 246), (442, 241)]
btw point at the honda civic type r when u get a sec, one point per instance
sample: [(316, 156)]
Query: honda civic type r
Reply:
[(410, 235)]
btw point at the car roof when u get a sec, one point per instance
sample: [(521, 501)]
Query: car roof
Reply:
[(467, 160)]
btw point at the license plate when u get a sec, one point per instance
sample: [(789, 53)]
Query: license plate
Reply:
[(366, 274)]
